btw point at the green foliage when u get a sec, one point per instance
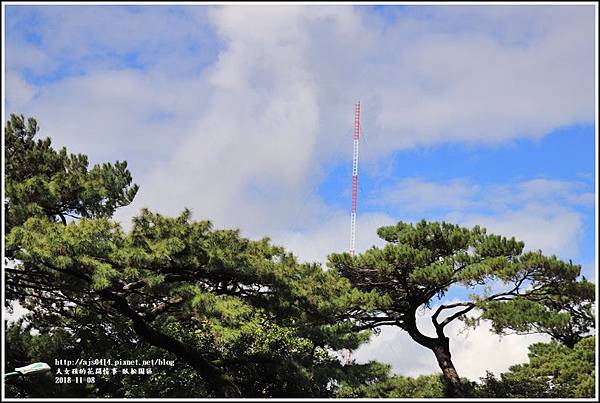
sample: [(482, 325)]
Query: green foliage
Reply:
[(242, 317), (553, 371), (24, 348), (518, 292), (71, 343), (565, 313), (43, 182), (421, 262), (239, 302), (373, 380)]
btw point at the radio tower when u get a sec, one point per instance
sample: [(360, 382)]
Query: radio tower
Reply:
[(354, 178), (356, 137)]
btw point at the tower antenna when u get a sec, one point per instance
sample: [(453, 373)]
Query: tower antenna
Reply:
[(356, 137)]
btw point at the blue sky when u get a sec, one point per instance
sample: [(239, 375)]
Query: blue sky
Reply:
[(565, 155), (474, 115)]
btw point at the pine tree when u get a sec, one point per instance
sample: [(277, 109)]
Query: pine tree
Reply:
[(515, 290), (242, 315)]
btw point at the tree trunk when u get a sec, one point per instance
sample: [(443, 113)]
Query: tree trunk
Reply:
[(441, 348), (451, 378)]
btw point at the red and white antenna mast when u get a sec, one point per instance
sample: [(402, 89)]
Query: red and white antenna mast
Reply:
[(356, 137)]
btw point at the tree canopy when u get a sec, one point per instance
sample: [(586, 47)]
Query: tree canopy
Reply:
[(524, 291), (243, 314), (553, 371), (43, 182), (244, 318)]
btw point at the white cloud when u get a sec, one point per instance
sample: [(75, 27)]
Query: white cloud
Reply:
[(239, 140), (571, 192), (241, 136), (553, 229), (246, 159), (472, 84), (18, 92), (332, 236), (500, 352), (125, 114), (394, 346), (584, 199), (417, 195), (590, 270), (75, 39), (540, 212), (17, 312)]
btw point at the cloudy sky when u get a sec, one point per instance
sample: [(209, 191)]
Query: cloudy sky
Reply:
[(472, 114)]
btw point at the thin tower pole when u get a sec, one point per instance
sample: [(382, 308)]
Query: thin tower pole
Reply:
[(356, 137)]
